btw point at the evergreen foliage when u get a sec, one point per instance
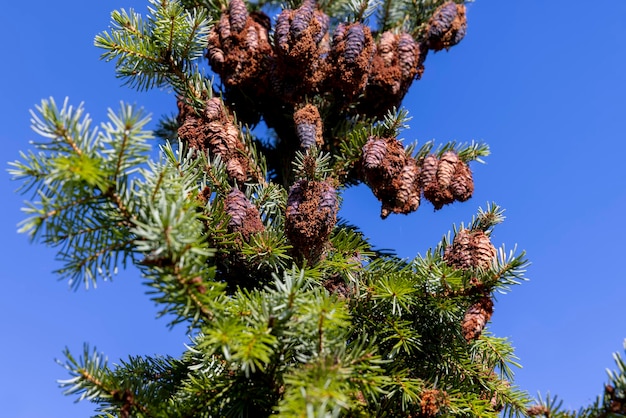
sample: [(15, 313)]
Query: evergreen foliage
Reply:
[(234, 227)]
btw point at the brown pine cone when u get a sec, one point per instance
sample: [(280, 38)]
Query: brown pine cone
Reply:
[(351, 55), (382, 160), (308, 126), (470, 249), (428, 174), (446, 168), (459, 253), (237, 15), (462, 184), (447, 26), (483, 251), (408, 56), (244, 216), (310, 217), (387, 45), (476, 318)]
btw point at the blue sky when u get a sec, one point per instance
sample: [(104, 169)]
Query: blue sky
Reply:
[(544, 83)]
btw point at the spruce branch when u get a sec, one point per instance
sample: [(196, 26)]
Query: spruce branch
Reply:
[(508, 270), (159, 50), (83, 181), (88, 375)]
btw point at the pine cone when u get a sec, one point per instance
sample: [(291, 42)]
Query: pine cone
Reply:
[(447, 26), (374, 152), (308, 126), (429, 170), (237, 15), (352, 52), (470, 249), (446, 168), (408, 56), (462, 185), (310, 217), (483, 251), (476, 318), (537, 410), (244, 216), (215, 54), (354, 43), (387, 45), (281, 30), (214, 109), (223, 30), (459, 253), (382, 160), (302, 18)]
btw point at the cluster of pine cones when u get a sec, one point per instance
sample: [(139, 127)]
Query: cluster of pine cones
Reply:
[(398, 180), (303, 59), (473, 249)]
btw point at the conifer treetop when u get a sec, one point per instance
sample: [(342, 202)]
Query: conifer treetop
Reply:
[(236, 229)]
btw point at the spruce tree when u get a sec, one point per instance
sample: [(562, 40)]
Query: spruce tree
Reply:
[(234, 225)]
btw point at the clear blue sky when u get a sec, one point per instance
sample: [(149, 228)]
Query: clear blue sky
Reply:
[(543, 82)]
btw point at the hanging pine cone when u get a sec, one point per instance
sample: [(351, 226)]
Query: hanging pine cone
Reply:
[(476, 318), (239, 50), (351, 55), (244, 216), (446, 179), (215, 132), (386, 49), (310, 217), (446, 168), (301, 44), (447, 26), (237, 15), (470, 249), (302, 18), (382, 160), (391, 174), (483, 251), (308, 126), (409, 57), (429, 170), (462, 184), (459, 253)]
